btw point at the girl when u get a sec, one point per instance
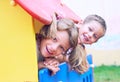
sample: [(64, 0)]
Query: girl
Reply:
[(55, 39)]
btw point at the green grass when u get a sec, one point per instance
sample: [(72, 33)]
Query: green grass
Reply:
[(107, 73)]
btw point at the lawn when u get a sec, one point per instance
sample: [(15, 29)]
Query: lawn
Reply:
[(107, 73)]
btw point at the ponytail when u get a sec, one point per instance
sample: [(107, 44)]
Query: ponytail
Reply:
[(77, 59)]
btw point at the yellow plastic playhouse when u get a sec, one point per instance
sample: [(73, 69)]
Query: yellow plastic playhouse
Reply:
[(17, 44)]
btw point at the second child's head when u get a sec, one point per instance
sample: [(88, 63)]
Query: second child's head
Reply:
[(58, 37), (92, 29)]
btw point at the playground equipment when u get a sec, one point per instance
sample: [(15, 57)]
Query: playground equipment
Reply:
[(19, 21), (67, 75)]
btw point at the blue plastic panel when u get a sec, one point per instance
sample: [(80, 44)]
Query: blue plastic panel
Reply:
[(67, 75)]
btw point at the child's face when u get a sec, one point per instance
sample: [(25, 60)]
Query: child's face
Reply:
[(90, 32), (55, 46)]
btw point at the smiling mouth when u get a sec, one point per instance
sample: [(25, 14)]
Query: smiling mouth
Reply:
[(48, 51), (85, 37)]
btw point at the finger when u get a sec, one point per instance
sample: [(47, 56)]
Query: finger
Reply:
[(55, 71)]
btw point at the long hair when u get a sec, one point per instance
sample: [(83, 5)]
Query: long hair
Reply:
[(78, 60)]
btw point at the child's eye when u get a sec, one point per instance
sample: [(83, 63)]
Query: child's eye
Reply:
[(90, 29), (55, 39)]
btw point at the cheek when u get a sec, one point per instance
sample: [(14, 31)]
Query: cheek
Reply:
[(43, 43), (93, 41), (84, 30), (81, 32)]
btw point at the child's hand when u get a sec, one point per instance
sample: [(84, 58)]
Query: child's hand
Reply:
[(52, 64)]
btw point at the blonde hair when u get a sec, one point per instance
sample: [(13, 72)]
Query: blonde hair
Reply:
[(78, 60), (64, 24)]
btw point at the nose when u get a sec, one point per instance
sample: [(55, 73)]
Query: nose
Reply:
[(91, 35), (54, 48)]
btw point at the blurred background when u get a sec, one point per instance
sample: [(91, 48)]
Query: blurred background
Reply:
[(107, 50)]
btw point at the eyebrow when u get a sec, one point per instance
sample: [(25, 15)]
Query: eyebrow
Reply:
[(93, 27)]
